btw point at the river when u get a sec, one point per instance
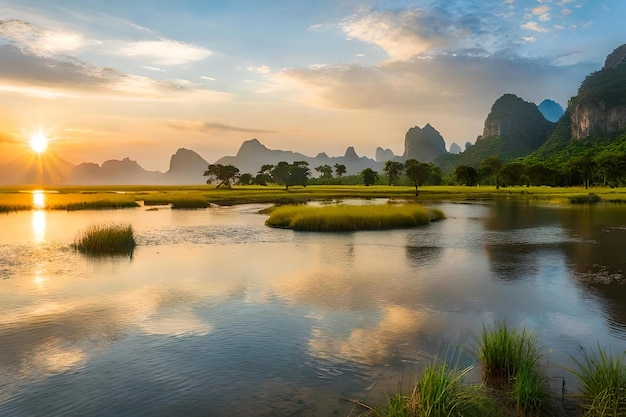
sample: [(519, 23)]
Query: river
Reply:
[(218, 315)]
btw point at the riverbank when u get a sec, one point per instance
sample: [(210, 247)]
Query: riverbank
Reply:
[(17, 198)]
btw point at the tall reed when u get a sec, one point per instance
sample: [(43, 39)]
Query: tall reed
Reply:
[(438, 393), (603, 382), (503, 351), (110, 239)]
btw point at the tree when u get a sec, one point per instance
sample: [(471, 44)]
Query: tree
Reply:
[(326, 171), (369, 176), (491, 166), (585, 166), (264, 175), (393, 170), (538, 173), (245, 179), (465, 175), (340, 169), (514, 173), (418, 172), (280, 174), (299, 173), (287, 174), (612, 167), (224, 174)]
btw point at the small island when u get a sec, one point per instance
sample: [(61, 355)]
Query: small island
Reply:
[(348, 218)]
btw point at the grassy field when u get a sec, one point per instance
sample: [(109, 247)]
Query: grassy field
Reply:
[(103, 197)]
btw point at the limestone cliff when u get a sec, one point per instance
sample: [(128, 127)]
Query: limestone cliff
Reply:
[(423, 144), (514, 127), (599, 109)]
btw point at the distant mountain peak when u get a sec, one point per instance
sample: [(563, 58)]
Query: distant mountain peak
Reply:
[(250, 147), (551, 110), (424, 144), (351, 153), (616, 57)]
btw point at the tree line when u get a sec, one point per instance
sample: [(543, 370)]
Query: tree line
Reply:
[(606, 167)]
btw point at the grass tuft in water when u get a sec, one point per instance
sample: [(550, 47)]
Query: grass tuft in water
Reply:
[(603, 382), (438, 393), (509, 356), (110, 239), (502, 351), (342, 218)]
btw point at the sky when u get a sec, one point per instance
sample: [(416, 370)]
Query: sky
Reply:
[(109, 79)]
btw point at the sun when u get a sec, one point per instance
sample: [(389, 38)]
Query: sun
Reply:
[(39, 143)]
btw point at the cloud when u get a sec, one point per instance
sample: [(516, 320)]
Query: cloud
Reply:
[(446, 84), (42, 42), (534, 26), (164, 51), (261, 69), (53, 43), (412, 32), (47, 77), (6, 138), (204, 127)]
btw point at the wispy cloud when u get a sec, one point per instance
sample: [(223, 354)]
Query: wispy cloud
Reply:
[(199, 126), (38, 41), (46, 77), (6, 138), (163, 51), (535, 27), (261, 69), (44, 63), (445, 83)]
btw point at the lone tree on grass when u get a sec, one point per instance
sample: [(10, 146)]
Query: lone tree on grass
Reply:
[(369, 176), (224, 175), (418, 172)]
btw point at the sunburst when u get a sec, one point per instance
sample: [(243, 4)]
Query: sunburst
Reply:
[(38, 143)]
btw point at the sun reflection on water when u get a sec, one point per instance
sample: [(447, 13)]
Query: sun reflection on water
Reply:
[(39, 199), (39, 225)]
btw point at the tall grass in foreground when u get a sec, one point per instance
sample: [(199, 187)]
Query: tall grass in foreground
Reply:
[(510, 358), (341, 218), (603, 383), (110, 239), (438, 393)]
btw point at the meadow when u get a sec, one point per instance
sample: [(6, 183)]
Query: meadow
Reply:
[(17, 198)]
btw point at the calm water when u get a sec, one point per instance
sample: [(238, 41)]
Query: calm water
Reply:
[(218, 315)]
